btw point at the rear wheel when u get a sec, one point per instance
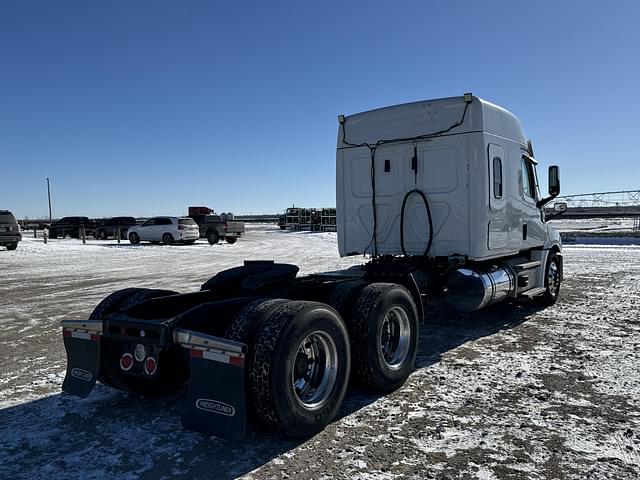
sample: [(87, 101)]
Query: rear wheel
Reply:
[(243, 329), (300, 368), (231, 240), (343, 296), (12, 246), (134, 238), (248, 320), (213, 237), (383, 328), (167, 239), (109, 306)]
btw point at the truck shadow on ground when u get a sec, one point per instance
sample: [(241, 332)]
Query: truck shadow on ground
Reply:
[(446, 329), (113, 434)]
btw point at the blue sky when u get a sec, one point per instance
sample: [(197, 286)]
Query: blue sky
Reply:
[(146, 107)]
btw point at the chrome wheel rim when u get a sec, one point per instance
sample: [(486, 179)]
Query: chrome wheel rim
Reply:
[(315, 369), (395, 336), (553, 278)]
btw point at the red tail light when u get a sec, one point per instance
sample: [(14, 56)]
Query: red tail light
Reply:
[(150, 366), (126, 362), (225, 226)]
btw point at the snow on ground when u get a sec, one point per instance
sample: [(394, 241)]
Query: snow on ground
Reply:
[(510, 392)]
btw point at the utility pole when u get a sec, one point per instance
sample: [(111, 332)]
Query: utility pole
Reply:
[(49, 196)]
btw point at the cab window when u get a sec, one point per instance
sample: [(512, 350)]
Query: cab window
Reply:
[(528, 180), (497, 177)]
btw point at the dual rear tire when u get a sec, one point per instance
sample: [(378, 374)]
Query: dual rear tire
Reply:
[(383, 327), (302, 354), (298, 363)]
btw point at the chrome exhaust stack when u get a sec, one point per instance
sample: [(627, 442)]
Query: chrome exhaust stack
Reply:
[(472, 288)]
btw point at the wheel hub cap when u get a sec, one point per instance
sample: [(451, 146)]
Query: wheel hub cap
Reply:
[(395, 335), (315, 370), (553, 278)]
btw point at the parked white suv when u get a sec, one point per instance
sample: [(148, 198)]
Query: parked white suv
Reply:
[(166, 230)]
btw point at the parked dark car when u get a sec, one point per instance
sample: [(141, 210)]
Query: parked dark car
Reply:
[(108, 227), (72, 226), (9, 230)]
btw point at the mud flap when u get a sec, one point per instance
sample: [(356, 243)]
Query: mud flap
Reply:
[(215, 401), (82, 343)]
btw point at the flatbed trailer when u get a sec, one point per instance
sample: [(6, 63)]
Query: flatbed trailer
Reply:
[(454, 211)]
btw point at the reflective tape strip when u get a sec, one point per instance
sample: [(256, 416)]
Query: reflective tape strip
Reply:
[(222, 357), (81, 335)]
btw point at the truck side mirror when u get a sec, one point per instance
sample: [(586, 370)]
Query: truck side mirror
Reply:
[(554, 180)]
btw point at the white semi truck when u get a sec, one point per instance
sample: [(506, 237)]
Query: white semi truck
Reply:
[(441, 195)]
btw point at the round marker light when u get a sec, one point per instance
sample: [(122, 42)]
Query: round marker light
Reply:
[(140, 352), (150, 366), (126, 362)]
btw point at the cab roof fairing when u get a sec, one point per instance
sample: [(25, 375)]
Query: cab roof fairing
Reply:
[(415, 119)]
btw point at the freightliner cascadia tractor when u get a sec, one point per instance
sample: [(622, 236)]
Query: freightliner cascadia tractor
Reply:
[(440, 195)]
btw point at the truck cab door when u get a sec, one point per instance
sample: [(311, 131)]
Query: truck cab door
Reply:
[(501, 225), (532, 225)]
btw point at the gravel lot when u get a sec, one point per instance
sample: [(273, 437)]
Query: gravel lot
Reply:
[(510, 392)]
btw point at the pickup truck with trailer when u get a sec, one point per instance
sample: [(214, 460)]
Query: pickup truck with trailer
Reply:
[(109, 227), (218, 227), (440, 194), (72, 226)]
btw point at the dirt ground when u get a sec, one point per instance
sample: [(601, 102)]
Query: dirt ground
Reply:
[(512, 392)]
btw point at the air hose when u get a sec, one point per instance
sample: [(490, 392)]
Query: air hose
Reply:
[(426, 204)]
